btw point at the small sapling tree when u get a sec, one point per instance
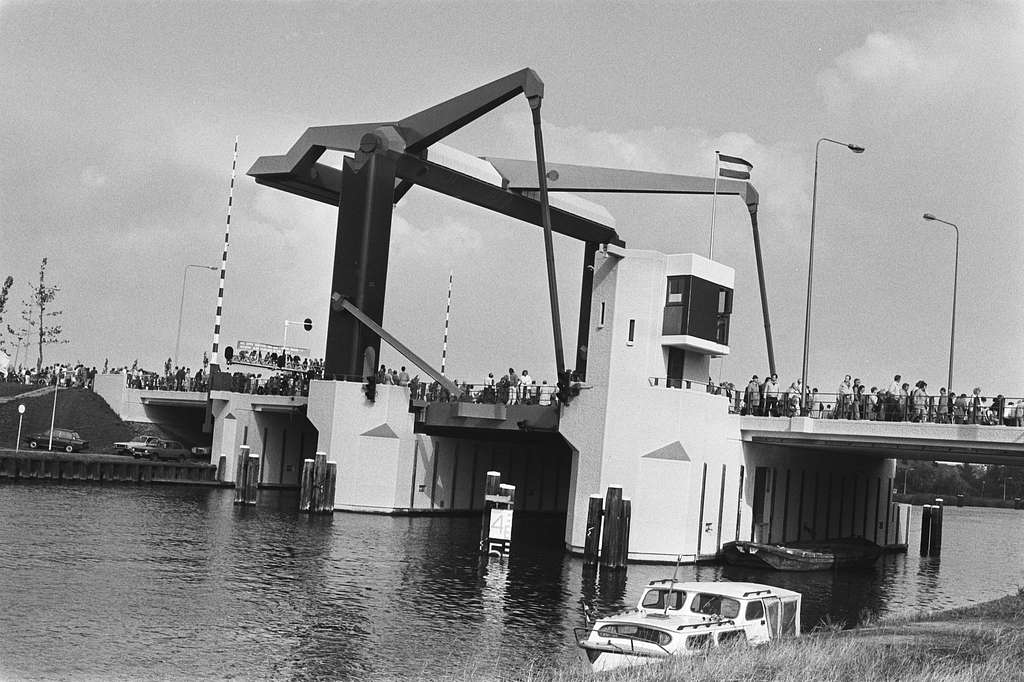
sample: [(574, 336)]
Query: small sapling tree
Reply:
[(39, 317), (4, 291)]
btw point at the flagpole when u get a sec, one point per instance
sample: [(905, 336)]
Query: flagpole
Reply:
[(714, 203)]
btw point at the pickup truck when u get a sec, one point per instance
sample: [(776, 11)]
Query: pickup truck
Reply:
[(133, 446)]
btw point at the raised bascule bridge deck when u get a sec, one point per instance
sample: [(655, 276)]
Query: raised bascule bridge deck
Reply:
[(697, 475)]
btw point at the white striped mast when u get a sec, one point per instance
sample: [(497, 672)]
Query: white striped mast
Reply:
[(447, 317), (224, 261)]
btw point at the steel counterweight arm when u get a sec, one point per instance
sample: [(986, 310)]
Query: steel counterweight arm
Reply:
[(434, 124), (581, 179)]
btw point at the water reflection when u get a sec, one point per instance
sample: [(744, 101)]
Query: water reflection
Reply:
[(178, 583)]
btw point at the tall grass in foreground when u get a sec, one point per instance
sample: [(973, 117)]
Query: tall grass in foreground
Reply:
[(983, 642)]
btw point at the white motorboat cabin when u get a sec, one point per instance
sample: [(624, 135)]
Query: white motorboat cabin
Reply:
[(680, 618)]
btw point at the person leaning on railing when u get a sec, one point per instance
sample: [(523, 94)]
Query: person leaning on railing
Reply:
[(942, 407)]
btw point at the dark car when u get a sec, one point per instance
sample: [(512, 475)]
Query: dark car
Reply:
[(163, 449), (63, 439)]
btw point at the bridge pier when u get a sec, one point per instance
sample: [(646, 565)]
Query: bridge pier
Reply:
[(391, 462)]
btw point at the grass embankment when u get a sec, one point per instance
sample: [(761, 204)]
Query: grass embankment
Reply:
[(8, 388), (78, 409), (983, 642)]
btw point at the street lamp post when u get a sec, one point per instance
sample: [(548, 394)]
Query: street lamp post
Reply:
[(21, 414), (181, 306), (307, 325), (952, 327), (856, 149)]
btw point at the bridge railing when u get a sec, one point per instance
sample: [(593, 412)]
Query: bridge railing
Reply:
[(725, 389), (933, 409), (930, 409)]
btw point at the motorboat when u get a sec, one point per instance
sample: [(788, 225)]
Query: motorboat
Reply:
[(803, 556), (684, 618)]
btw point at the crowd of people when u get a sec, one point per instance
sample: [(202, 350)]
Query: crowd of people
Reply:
[(272, 361), (511, 388), (895, 402), (63, 375)]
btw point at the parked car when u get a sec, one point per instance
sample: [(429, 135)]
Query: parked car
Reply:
[(129, 447), (63, 439), (163, 449)]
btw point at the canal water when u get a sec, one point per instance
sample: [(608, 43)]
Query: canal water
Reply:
[(178, 583)]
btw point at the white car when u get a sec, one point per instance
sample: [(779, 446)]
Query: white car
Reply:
[(132, 446)]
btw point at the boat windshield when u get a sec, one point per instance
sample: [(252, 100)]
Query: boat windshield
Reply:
[(657, 598), (715, 605), (631, 631)]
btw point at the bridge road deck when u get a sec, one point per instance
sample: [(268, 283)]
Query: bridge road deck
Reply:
[(973, 443)]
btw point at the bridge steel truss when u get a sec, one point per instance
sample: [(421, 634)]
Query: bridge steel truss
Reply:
[(392, 156)]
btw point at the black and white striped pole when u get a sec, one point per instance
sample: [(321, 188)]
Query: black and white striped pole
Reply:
[(447, 317), (214, 368)]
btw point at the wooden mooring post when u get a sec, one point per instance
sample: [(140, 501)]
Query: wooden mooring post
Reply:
[(615, 535), (306, 485), (931, 528), (499, 508), (592, 543), (222, 468), (252, 478), (240, 466), (317, 485), (247, 477), (936, 541)]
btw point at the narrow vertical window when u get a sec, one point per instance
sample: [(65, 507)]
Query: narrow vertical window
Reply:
[(632, 330), (601, 323)]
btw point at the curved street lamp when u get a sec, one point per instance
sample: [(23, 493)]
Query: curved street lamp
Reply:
[(952, 328), (856, 149), (181, 307)]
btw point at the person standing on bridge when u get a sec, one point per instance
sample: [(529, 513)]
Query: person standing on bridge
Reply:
[(513, 387), (524, 387), (892, 399), (752, 397), (919, 400), (844, 400), (942, 408), (771, 396)]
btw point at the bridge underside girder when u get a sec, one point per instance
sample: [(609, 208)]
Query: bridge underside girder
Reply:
[(974, 453)]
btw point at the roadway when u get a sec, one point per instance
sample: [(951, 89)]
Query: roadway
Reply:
[(971, 443)]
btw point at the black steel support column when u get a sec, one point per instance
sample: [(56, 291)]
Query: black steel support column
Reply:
[(549, 249), (764, 294), (360, 262), (586, 304)]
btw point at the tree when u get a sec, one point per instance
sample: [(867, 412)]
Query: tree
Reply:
[(36, 315), (3, 305)]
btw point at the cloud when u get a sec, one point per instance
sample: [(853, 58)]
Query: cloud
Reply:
[(93, 177), (886, 62)]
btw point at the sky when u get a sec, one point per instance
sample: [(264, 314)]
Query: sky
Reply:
[(118, 122)]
